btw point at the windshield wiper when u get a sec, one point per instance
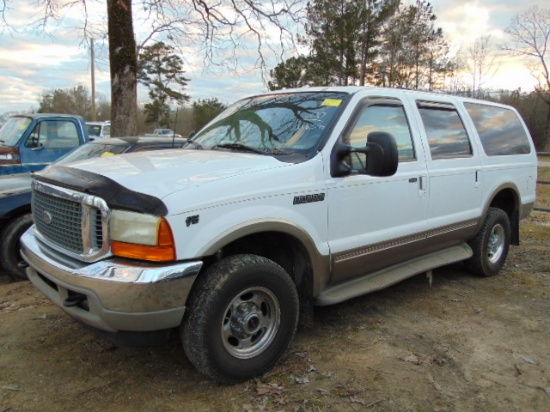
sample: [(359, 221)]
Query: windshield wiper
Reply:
[(238, 146), (190, 142)]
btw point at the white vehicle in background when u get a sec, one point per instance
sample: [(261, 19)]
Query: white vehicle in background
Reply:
[(165, 133), (99, 130)]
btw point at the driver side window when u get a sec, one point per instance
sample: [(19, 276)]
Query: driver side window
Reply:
[(54, 134), (381, 118)]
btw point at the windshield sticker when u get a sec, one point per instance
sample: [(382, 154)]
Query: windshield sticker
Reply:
[(106, 154), (332, 102)]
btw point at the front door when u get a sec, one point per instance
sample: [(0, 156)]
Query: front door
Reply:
[(374, 222), (48, 141)]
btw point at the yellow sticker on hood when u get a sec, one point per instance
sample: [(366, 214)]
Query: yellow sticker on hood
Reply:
[(332, 102)]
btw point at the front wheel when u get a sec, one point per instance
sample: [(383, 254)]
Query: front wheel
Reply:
[(10, 256), (240, 318), (491, 244)]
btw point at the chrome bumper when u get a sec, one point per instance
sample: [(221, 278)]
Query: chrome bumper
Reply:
[(117, 294)]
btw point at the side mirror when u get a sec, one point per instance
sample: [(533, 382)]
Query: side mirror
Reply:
[(380, 151)]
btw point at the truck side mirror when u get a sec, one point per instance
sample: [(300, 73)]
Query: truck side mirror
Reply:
[(380, 152)]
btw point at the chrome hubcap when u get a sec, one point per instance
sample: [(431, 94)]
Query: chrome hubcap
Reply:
[(495, 246), (250, 322)]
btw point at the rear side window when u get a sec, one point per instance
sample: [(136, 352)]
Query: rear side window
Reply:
[(500, 130), (446, 134)]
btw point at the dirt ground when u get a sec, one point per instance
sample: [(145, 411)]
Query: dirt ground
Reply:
[(459, 344)]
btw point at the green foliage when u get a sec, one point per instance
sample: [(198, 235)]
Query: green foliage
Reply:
[(76, 100), (205, 110), (415, 52), (161, 71), (292, 73), (332, 32), (378, 42)]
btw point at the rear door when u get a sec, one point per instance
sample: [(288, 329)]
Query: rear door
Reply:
[(454, 170), (377, 221)]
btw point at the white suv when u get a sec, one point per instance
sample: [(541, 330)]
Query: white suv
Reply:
[(284, 201)]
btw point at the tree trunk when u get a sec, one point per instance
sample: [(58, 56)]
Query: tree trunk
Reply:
[(122, 44), (546, 145)]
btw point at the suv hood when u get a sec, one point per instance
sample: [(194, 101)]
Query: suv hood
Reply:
[(162, 173)]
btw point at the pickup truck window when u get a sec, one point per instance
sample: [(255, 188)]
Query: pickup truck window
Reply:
[(382, 118), (277, 124), (446, 134), (12, 131), (54, 134), (499, 129)]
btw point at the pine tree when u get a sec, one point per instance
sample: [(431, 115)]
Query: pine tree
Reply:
[(161, 70)]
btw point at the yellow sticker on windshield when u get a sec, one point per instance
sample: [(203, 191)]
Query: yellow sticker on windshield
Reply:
[(106, 154), (332, 102)]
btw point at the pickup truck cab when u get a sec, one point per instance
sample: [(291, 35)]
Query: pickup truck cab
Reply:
[(29, 143), (284, 201)]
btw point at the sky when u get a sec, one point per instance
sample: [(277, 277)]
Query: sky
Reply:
[(57, 58)]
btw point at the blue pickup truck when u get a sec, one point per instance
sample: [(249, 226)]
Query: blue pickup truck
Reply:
[(30, 142)]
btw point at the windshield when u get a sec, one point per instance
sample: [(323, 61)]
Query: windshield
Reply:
[(94, 130), (277, 124), (13, 129), (90, 150)]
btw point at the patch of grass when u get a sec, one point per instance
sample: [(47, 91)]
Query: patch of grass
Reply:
[(535, 232)]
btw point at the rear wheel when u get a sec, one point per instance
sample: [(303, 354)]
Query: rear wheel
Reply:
[(10, 256), (491, 244), (240, 318)]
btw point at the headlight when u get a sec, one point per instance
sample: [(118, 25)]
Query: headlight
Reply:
[(140, 236)]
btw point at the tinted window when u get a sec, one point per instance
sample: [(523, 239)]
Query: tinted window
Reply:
[(499, 129), (445, 131), (382, 118)]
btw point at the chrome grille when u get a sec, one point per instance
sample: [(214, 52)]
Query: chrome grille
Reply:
[(97, 230), (72, 222), (65, 221)]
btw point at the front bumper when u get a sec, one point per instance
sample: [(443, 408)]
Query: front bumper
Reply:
[(113, 295)]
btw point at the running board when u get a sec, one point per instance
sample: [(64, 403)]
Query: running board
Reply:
[(392, 275)]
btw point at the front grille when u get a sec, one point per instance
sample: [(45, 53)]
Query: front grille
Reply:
[(64, 227), (72, 222), (97, 229)]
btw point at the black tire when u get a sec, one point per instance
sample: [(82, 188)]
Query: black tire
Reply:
[(240, 318), (491, 244), (10, 256)]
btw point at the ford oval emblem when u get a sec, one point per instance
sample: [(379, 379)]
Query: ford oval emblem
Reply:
[(46, 217)]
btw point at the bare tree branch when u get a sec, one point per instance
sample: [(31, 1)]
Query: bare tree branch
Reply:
[(530, 33)]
